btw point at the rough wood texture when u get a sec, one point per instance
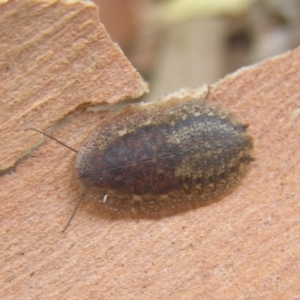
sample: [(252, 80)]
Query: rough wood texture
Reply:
[(243, 247), (54, 57)]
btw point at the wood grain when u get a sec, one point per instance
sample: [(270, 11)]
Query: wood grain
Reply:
[(55, 57), (243, 247)]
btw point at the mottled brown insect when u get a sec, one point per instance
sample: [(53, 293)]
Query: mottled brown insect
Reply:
[(158, 159)]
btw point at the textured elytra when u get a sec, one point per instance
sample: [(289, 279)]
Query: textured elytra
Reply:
[(164, 158)]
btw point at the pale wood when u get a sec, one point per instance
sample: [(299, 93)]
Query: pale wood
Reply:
[(189, 56), (243, 247)]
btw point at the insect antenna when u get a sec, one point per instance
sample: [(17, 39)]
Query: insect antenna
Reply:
[(74, 212), (72, 149), (52, 138), (209, 87)]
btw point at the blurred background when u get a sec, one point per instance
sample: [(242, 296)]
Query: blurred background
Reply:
[(187, 43)]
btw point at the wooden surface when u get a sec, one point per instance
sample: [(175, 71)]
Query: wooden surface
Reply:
[(243, 247), (55, 57)]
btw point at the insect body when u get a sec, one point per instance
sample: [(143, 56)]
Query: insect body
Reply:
[(162, 158)]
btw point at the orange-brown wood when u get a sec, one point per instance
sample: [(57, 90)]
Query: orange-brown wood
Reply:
[(55, 56), (243, 247)]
